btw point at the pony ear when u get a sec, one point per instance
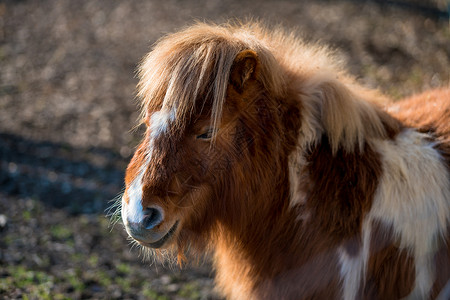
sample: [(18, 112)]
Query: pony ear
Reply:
[(243, 69)]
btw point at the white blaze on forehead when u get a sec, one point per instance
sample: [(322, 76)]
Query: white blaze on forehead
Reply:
[(160, 122), (133, 211)]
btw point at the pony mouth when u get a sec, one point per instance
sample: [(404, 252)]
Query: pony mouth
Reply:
[(159, 243)]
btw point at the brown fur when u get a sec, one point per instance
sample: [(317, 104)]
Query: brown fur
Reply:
[(442, 266), (282, 108), (391, 270), (355, 180), (429, 112)]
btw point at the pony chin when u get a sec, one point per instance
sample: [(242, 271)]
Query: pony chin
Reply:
[(184, 246), (190, 241)]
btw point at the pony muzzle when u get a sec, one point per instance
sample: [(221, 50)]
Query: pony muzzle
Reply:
[(148, 228)]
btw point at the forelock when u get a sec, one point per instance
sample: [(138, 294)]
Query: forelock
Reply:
[(194, 65), (185, 68)]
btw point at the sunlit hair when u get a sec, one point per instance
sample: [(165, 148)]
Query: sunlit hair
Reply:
[(196, 62)]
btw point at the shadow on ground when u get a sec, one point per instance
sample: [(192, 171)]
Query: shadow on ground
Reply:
[(77, 180)]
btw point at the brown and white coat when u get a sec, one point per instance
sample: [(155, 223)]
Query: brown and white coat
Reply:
[(301, 183)]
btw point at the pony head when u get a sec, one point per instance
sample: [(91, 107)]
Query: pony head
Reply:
[(216, 136)]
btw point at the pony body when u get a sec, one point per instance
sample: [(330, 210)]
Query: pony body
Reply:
[(302, 184)]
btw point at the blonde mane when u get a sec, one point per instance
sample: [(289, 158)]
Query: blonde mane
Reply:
[(194, 64)]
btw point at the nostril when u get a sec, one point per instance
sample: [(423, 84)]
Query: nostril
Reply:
[(152, 217)]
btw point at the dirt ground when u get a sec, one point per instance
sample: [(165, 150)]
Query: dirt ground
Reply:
[(67, 107)]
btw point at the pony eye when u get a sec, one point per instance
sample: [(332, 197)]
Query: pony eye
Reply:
[(207, 134)]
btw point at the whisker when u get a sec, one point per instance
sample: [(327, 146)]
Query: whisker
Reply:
[(114, 211)]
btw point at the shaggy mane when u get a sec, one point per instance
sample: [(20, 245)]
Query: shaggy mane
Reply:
[(196, 62)]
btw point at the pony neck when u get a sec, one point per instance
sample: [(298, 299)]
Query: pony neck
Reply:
[(313, 207), (250, 252)]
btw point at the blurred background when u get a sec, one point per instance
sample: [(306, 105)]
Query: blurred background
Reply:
[(67, 107)]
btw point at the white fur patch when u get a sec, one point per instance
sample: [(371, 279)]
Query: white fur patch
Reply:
[(134, 212), (414, 198), (160, 122), (353, 268)]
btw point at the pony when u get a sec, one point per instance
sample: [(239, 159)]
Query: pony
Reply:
[(300, 183)]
